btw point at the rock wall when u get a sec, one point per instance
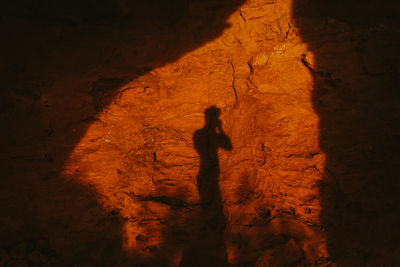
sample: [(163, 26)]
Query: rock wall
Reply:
[(200, 133), (355, 66)]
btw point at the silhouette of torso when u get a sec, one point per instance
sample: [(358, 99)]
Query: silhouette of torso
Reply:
[(207, 247), (207, 141)]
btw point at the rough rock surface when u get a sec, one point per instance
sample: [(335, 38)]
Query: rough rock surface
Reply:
[(200, 133)]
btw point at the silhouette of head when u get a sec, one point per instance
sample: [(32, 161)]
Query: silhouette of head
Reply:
[(211, 115)]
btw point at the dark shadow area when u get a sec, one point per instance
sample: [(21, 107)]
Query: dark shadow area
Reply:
[(356, 95), (55, 56), (206, 247)]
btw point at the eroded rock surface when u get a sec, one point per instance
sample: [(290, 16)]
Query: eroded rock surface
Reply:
[(102, 112)]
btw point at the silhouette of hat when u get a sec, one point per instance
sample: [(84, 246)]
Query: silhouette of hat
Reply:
[(212, 112)]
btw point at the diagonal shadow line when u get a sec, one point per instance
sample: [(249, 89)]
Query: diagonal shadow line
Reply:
[(355, 46), (58, 45)]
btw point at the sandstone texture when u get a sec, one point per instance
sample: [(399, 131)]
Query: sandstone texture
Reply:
[(200, 133)]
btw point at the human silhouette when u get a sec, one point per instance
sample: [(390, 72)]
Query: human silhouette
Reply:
[(206, 142), (207, 247)]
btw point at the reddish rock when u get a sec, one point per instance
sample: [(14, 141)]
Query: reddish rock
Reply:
[(289, 254), (200, 132)]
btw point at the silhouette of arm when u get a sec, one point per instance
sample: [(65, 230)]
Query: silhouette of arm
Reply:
[(197, 141), (223, 140)]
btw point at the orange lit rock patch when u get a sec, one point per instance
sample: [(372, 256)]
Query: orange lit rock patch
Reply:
[(140, 158), (199, 133)]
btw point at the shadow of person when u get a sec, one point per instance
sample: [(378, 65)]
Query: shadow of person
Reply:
[(207, 247), (63, 63)]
